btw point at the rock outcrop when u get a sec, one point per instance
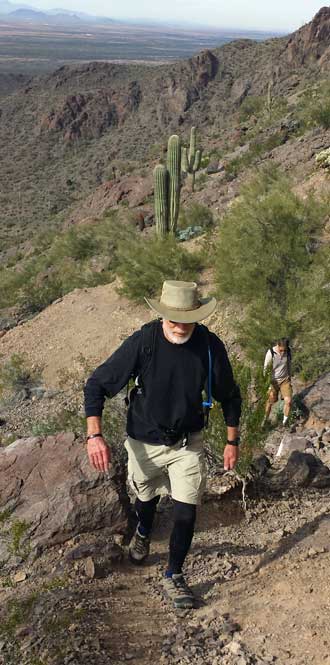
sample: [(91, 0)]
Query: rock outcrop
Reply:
[(90, 115), (317, 400), (49, 493), (311, 43), (301, 470)]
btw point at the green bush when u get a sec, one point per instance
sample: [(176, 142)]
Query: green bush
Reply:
[(264, 112), (34, 297), (313, 107), (78, 243), (251, 105), (143, 266), (195, 215), (257, 149), (266, 249), (311, 312), (253, 387), (16, 374), (61, 264), (321, 114)]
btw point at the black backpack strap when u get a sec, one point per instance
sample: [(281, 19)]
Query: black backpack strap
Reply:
[(272, 351), (148, 336), (149, 331)]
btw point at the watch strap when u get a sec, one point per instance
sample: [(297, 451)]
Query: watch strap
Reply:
[(234, 442), (94, 436)]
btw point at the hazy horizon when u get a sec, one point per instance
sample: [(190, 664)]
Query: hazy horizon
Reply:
[(236, 15)]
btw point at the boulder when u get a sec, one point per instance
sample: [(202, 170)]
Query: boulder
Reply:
[(291, 442), (49, 493), (317, 400), (301, 470)]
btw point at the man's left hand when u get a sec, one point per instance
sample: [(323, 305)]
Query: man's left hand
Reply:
[(230, 457)]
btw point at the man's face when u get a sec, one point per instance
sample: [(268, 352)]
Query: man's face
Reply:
[(177, 333), (281, 349)]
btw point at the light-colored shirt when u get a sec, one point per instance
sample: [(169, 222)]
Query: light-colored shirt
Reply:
[(280, 365)]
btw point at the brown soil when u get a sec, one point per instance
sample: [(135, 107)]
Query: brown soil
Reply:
[(279, 594), (267, 571), (87, 322)]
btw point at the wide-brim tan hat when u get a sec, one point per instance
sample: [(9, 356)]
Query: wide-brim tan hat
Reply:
[(181, 303)]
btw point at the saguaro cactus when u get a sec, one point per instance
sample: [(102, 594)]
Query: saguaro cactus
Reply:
[(191, 161), (161, 202), (167, 185), (174, 184)]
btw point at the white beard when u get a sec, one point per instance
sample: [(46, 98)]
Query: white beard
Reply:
[(177, 339)]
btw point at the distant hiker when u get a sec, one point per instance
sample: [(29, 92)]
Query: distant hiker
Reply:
[(172, 359), (278, 358)]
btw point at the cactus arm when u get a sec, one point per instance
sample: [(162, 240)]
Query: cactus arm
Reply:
[(161, 199), (184, 160), (197, 161), (192, 148)]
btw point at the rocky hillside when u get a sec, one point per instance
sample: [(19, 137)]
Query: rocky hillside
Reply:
[(68, 130)]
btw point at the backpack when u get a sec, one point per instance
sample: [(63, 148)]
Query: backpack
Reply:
[(148, 331)]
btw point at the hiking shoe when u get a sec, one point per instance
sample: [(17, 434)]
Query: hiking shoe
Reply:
[(177, 590), (139, 547)]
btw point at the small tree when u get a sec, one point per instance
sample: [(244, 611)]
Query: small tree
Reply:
[(266, 245)]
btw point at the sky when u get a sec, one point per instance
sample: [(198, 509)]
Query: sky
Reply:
[(282, 15)]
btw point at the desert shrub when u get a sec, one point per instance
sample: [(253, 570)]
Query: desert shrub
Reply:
[(321, 114), (195, 215), (266, 247), (257, 149), (313, 106), (63, 263), (265, 110), (143, 265), (319, 105), (201, 180), (35, 297), (17, 374), (11, 283), (79, 243), (311, 312), (253, 387), (251, 105)]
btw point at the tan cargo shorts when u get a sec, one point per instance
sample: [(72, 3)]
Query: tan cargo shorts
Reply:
[(157, 470), (284, 388)]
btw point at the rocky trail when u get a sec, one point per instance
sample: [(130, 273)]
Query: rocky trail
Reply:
[(261, 580)]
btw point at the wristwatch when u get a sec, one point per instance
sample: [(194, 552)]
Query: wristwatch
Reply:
[(234, 442), (94, 436)]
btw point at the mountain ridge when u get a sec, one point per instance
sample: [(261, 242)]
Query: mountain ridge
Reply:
[(73, 124)]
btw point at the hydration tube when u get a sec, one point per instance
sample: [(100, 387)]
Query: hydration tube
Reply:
[(208, 404)]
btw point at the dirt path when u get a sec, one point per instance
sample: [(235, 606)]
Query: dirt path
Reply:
[(269, 573)]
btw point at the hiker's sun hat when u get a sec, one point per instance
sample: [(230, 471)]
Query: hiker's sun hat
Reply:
[(181, 303)]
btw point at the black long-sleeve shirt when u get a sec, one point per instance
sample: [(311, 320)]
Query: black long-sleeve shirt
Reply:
[(170, 401)]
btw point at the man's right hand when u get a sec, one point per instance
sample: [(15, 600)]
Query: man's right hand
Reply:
[(99, 454)]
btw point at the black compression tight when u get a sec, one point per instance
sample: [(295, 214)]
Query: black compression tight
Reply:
[(182, 535), (145, 511), (184, 515)]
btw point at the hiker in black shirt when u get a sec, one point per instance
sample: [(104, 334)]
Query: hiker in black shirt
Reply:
[(171, 360)]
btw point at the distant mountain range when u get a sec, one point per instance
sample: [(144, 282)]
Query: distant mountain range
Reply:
[(24, 12)]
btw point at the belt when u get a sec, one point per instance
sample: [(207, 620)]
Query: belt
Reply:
[(183, 440)]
